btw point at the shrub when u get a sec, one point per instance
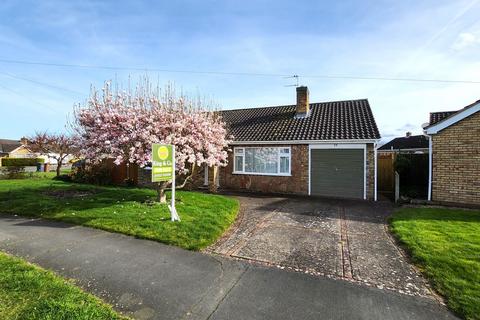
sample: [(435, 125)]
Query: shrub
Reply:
[(63, 177), (129, 182), (402, 163), (98, 174), (21, 162), (14, 173)]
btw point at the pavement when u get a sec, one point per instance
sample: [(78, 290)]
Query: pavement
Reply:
[(148, 280), (342, 239)]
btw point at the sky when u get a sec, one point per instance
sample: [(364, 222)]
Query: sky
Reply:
[(388, 39)]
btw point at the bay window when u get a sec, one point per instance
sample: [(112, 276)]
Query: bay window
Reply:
[(262, 160)]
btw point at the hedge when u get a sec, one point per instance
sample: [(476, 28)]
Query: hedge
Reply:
[(21, 162)]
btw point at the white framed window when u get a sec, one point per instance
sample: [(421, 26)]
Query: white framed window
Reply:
[(275, 161)]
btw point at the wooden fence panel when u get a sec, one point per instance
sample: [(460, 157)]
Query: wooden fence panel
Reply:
[(386, 174)]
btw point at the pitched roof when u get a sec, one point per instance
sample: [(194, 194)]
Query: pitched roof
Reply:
[(7, 145), (412, 142), (337, 120), (439, 116), (436, 117), (448, 118)]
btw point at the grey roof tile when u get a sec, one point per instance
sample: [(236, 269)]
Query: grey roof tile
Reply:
[(337, 120), (439, 116)]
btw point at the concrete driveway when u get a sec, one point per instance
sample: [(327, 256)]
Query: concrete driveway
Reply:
[(335, 238)]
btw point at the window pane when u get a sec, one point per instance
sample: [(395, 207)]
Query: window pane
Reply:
[(284, 164), (239, 150), (285, 150), (261, 160), (238, 163)]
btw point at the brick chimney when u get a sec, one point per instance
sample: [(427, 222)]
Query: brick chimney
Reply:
[(303, 106), (408, 134)]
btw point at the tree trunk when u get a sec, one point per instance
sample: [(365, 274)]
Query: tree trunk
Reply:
[(161, 195), (59, 166)]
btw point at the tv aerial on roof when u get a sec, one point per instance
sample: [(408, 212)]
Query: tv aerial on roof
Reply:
[(296, 77)]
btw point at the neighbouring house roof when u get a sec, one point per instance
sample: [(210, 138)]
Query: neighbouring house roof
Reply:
[(7, 145), (439, 116), (338, 120), (450, 117), (402, 143)]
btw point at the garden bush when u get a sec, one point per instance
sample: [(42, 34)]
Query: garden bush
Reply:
[(63, 177), (98, 174), (13, 173), (21, 162)]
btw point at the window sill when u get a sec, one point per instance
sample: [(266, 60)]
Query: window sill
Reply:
[(263, 174)]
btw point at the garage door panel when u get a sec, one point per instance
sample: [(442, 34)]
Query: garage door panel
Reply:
[(337, 172)]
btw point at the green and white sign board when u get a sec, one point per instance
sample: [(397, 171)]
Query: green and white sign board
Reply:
[(163, 169), (163, 162)]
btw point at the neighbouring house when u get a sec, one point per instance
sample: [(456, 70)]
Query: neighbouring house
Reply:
[(323, 149), (15, 149), (19, 149), (454, 161), (408, 144)]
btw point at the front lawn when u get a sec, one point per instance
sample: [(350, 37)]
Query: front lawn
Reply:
[(445, 243), (125, 210), (29, 292)]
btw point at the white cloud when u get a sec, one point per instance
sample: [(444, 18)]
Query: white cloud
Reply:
[(466, 40), (392, 40)]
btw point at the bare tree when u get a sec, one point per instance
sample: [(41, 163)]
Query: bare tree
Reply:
[(55, 146)]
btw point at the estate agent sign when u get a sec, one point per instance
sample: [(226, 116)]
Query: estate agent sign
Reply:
[(163, 169), (162, 162)]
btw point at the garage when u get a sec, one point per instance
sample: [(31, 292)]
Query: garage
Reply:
[(337, 172)]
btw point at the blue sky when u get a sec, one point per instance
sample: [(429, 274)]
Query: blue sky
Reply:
[(407, 39)]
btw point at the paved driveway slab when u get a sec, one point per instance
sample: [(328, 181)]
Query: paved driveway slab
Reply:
[(337, 238)]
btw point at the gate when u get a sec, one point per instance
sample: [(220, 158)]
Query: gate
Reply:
[(386, 174)]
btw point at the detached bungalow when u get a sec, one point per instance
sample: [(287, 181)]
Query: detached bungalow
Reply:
[(455, 156), (323, 149)]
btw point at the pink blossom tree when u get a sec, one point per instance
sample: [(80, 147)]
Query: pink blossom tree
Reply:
[(55, 146), (123, 125)]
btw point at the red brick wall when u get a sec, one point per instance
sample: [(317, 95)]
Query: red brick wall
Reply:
[(456, 162), (297, 183), (370, 171)]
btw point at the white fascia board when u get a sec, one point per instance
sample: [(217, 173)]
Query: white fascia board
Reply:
[(338, 146), (19, 148), (454, 119), (15, 150), (305, 142)]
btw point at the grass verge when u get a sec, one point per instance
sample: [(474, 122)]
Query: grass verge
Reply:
[(29, 292), (130, 211), (445, 244)]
